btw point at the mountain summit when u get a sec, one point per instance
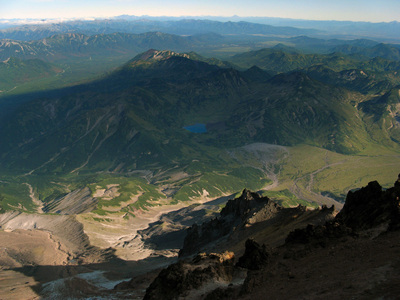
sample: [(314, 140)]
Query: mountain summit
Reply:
[(156, 55)]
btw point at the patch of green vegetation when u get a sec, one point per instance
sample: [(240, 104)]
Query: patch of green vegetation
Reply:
[(324, 171), (15, 196), (127, 188), (68, 73), (99, 211), (213, 184), (287, 199), (48, 187), (128, 215), (14, 72), (232, 50), (99, 219), (357, 171), (304, 159), (338, 197), (221, 206)]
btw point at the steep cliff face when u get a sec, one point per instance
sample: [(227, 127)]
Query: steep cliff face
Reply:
[(238, 213), (369, 210), (255, 256), (250, 216), (372, 206), (242, 207)]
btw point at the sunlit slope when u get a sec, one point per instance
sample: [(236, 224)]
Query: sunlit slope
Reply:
[(14, 72), (323, 66)]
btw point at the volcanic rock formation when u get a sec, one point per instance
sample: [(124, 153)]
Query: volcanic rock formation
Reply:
[(335, 258), (248, 209), (182, 277)]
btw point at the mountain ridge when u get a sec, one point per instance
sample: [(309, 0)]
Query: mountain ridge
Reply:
[(369, 215), (56, 47)]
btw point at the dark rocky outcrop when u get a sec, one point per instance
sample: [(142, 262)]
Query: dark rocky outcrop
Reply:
[(200, 235), (318, 235), (369, 219), (179, 278), (170, 230), (242, 206), (367, 208), (221, 293), (255, 256), (248, 209), (371, 206)]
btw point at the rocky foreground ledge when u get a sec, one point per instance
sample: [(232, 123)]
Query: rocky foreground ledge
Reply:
[(354, 254)]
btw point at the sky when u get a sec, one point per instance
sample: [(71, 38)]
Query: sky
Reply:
[(343, 10)]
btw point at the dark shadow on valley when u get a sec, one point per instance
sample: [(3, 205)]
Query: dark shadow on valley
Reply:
[(170, 230), (115, 270)]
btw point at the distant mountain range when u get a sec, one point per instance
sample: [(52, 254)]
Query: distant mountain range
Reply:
[(383, 31), (71, 46), (178, 27), (60, 47), (81, 57), (283, 59), (387, 32)]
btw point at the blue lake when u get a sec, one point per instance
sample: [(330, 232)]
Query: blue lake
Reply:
[(197, 128)]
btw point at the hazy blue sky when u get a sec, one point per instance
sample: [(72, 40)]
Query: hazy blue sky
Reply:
[(353, 10)]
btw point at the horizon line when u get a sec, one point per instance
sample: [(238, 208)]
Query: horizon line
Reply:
[(93, 18)]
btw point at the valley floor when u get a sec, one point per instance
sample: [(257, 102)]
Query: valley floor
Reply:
[(43, 254)]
